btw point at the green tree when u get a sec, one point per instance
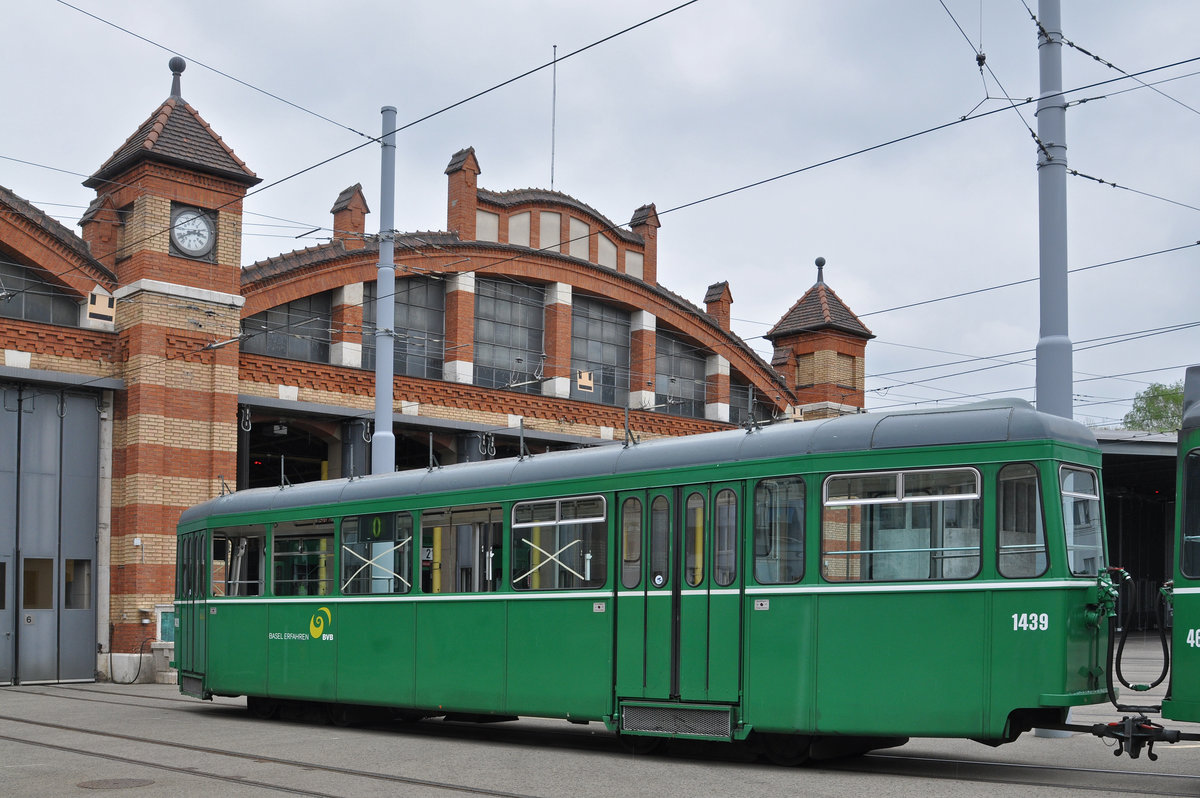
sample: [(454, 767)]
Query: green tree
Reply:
[(1159, 408)]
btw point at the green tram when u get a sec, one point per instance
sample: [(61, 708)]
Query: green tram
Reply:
[(1183, 698), (882, 575)]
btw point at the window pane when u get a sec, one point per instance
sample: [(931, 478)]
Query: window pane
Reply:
[(461, 550), (660, 542), (1081, 521), (302, 561), (77, 591), (1190, 533), (299, 330), (867, 536), (693, 540), (37, 580), (600, 336), (1022, 537), (631, 543), (377, 553), (508, 335), (779, 531), (566, 551), (679, 377), (961, 482), (726, 533), (237, 561), (864, 487)]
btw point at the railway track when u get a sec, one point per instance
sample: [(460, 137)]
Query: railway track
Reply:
[(600, 750)]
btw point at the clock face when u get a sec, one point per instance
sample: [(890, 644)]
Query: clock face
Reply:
[(192, 232)]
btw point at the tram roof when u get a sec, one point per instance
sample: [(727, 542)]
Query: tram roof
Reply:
[(996, 421), (1191, 398)]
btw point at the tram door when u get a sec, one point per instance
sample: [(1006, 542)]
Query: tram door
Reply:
[(678, 616), (191, 608)]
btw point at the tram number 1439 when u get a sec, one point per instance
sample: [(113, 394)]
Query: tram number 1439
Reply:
[(1031, 621)]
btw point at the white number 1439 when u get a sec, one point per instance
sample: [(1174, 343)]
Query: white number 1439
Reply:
[(1031, 621)]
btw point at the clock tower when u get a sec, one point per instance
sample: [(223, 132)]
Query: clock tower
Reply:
[(167, 219)]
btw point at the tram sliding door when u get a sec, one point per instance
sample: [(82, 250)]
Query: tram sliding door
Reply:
[(679, 619), (190, 608)]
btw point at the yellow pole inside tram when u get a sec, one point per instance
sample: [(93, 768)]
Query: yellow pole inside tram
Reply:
[(436, 564)]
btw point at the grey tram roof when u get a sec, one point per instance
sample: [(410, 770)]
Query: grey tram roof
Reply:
[(1191, 398), (985, 422)]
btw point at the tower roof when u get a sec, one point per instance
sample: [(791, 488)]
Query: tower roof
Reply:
[(819, 309), (176, 134)]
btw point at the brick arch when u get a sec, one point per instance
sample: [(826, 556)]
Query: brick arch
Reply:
[(48, 255), (503, 262)]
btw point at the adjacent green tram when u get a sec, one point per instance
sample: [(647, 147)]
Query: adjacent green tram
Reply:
[(1183, 699), (882, 575)]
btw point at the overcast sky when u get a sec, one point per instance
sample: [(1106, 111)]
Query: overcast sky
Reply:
[(710, 97)]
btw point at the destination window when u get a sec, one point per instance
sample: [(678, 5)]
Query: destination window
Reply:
[(901, 526), (377, 553), (559, 544), (302, 558)]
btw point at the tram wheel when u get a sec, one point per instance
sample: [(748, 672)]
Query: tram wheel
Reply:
[(640, 744), (787, 750), (263, 708)]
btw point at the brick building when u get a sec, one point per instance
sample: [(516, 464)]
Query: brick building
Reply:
[(145, 370)]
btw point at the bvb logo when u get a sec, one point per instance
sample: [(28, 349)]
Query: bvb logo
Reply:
[(316, 626)]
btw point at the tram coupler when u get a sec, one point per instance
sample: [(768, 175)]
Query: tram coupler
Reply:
[(1134, 733)]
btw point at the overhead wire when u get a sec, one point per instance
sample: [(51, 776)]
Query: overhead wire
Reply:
[(723, 193)]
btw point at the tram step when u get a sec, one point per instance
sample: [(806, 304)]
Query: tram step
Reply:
[(678, 720)]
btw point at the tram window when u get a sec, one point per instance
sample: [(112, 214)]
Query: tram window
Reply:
[(1022, 537), (237, 562), (693, 540), (559, 544), (183, 568), (726, 534), (1190, 531), (302, 558), (377, 553), (77, 585), (631, 543), (3, 584), (1081, 520), (461, 550), (660, 542), (779, 531), (901, 526)]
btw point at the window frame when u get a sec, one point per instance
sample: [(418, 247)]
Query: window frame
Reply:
[(593, 576), (1041, 521), (901, 501), (1098, 499), (764, 560)]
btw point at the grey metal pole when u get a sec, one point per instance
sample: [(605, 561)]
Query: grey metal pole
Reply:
[(1054, 358), (383, 441)]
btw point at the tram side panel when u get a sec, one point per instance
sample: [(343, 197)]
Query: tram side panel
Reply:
[(560, 656), (1047, 654), (376, 641), (781, 646), (238, 647), (1183, 701)]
